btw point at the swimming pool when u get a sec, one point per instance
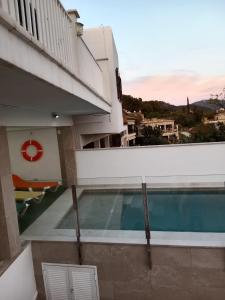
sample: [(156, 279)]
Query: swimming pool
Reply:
[(187, 210)]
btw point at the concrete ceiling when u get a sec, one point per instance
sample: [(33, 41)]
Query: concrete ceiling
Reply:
[(23, 90)]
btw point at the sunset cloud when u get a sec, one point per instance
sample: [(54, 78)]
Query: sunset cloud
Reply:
[(175, 88)]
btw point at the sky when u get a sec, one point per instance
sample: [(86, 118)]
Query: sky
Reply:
[(168, 49)]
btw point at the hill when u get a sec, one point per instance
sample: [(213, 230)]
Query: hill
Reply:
[(150, 109), (183, 116), (211, 104)]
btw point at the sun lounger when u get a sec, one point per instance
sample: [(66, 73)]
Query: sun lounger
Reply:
[(21, 184), (25, 196)]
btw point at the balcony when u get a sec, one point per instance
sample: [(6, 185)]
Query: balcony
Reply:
[(42, 57)]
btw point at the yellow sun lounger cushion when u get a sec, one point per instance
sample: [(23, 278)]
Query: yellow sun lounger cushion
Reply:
[(27, 196)]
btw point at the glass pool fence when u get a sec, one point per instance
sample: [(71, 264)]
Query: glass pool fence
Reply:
[(133, 207), (174, 203)]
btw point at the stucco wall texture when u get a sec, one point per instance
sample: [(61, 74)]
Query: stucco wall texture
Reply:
[(178, 273)]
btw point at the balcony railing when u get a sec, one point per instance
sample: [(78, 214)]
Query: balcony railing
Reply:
[(48, 23)]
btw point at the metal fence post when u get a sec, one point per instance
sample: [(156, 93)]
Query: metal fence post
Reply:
[(76, 208), (147, 224)]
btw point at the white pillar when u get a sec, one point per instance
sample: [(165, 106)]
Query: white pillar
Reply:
[(66, 142), (107, 142)]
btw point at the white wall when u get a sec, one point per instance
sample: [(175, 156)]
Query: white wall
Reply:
[(188, 159), (18, 282), (101, 43), (48, 167), (89, 70)]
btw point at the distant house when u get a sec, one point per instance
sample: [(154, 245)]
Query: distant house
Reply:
[(131, 120), (167, 127), (220, 115), (218, 118)]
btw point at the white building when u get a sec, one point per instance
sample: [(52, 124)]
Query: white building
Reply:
[(219, 117), (58, 87), (129, 136), (78, 68), (93, 128), (167, 127)]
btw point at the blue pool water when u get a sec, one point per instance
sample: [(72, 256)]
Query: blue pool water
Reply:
[(169, 210)]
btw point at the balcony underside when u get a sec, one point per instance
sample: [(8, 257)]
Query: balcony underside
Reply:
[(23, 90)]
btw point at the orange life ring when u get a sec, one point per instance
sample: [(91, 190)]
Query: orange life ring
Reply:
[(39, 150)]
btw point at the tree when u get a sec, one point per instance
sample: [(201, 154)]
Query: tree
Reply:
[(152, 136), (221, 132), (208, 133), (188, 120), (131, 104)]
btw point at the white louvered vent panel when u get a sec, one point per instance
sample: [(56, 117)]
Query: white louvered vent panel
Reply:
[(84, 283), (70, 282), (56, 283)]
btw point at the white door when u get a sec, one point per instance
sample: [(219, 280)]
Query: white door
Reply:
[(70, 282)]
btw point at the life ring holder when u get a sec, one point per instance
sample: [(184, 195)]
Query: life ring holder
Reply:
[(39, 150)]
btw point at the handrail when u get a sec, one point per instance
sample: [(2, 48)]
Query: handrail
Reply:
[(86, 47)]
